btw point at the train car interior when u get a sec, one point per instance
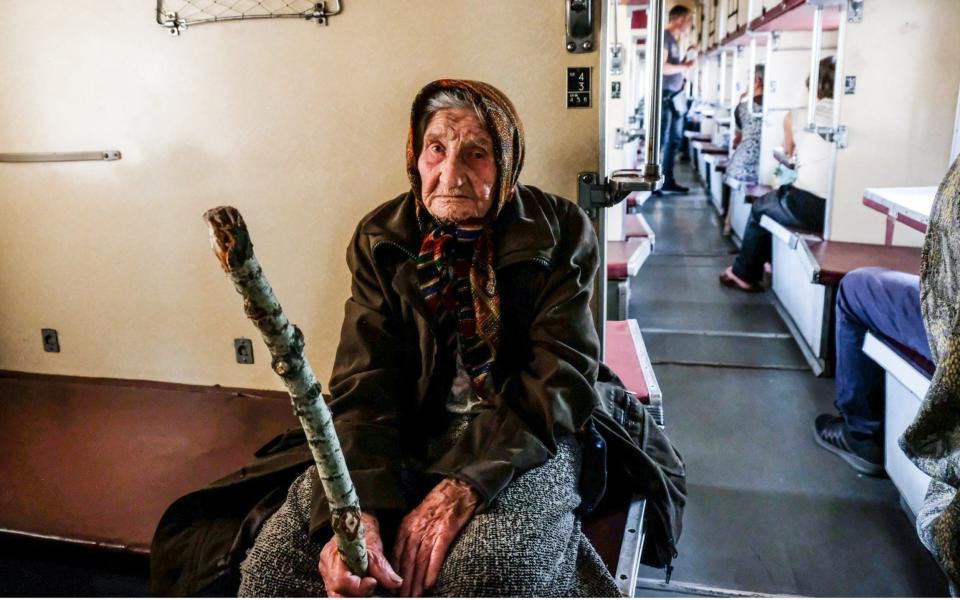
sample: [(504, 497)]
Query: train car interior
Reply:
[(699, 346)]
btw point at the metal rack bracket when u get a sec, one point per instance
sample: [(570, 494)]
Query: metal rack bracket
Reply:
[(836, 136), (580, 26), (595, 192)]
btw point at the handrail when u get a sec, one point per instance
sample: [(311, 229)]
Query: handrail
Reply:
[(816, 51), (734, 77), (28, 157), (722, 92), (654, 103)]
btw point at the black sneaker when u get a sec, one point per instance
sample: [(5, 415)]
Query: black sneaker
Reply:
[(865, 456), (672, 187)]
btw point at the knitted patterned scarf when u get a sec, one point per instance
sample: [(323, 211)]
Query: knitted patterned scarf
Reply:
[(455, 265), (455, 269)]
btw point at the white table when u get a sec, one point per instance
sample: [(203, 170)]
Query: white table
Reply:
[(908, 205)]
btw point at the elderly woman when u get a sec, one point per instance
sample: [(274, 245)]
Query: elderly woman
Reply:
[(464, 392)]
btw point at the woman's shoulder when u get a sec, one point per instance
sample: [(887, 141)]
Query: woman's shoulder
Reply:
[(553, 207)]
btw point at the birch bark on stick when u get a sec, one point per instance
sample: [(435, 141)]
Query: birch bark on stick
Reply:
[(231, 243)]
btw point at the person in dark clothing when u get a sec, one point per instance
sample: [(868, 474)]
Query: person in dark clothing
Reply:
[(674, 109), (886, 304), (800, 204), (468, 397), (788, 205)]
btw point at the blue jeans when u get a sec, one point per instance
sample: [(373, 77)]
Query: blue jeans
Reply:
[(887, 304), (671, 136)]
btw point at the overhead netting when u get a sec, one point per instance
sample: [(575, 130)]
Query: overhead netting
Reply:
[(177, 15)]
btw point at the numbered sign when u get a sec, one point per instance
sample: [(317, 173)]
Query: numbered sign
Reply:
[(578, 87)]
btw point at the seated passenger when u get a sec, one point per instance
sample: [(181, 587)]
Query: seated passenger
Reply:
[(465, 394), (799, 204), (887, 304), (744, 164)]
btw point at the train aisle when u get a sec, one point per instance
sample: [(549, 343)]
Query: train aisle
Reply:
[(768, 512)]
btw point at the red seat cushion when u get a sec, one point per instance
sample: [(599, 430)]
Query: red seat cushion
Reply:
[(621, 357), (635, 226), (618, 257)]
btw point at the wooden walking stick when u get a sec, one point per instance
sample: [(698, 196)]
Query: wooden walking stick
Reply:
[(231, 243)]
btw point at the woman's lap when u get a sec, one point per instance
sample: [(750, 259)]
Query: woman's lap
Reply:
[(528, 543)]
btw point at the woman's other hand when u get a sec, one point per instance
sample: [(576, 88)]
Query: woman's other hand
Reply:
[(426, 534), (338, 579)]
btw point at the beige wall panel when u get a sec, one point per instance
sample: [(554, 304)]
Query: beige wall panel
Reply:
[(907, 64), (301, 127), (743, 13)]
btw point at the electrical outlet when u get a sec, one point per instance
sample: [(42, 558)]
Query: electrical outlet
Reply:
[(51, 342), (243, 348)]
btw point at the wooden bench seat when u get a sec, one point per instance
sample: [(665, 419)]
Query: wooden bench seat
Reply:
[(626, 354), (94, 463), (755, 191), (709, 148), (789, 235), (905, 385), (625, 258), (635, 200), (835, 259), (806, 273), (97, 462), (635, 226)]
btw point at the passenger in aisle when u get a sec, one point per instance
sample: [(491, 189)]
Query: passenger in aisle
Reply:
[(745, 161), (799, 204), (675, 68), (886, 304)]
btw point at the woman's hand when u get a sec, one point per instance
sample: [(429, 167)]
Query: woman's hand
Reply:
[(338, 579), (428, 531)]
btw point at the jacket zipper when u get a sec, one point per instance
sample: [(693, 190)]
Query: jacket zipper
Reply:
[(395, 245)]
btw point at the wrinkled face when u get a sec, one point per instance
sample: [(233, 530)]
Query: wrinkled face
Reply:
[(457, 167)]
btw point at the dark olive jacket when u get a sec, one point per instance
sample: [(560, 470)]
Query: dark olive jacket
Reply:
[(390, 383)]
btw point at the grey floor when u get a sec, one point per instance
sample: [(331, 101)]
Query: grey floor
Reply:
[(768, 511)]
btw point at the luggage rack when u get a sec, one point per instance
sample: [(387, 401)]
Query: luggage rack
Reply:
[(178, 15)]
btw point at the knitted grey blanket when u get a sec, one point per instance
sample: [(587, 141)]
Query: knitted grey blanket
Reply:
[(528, 544)]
